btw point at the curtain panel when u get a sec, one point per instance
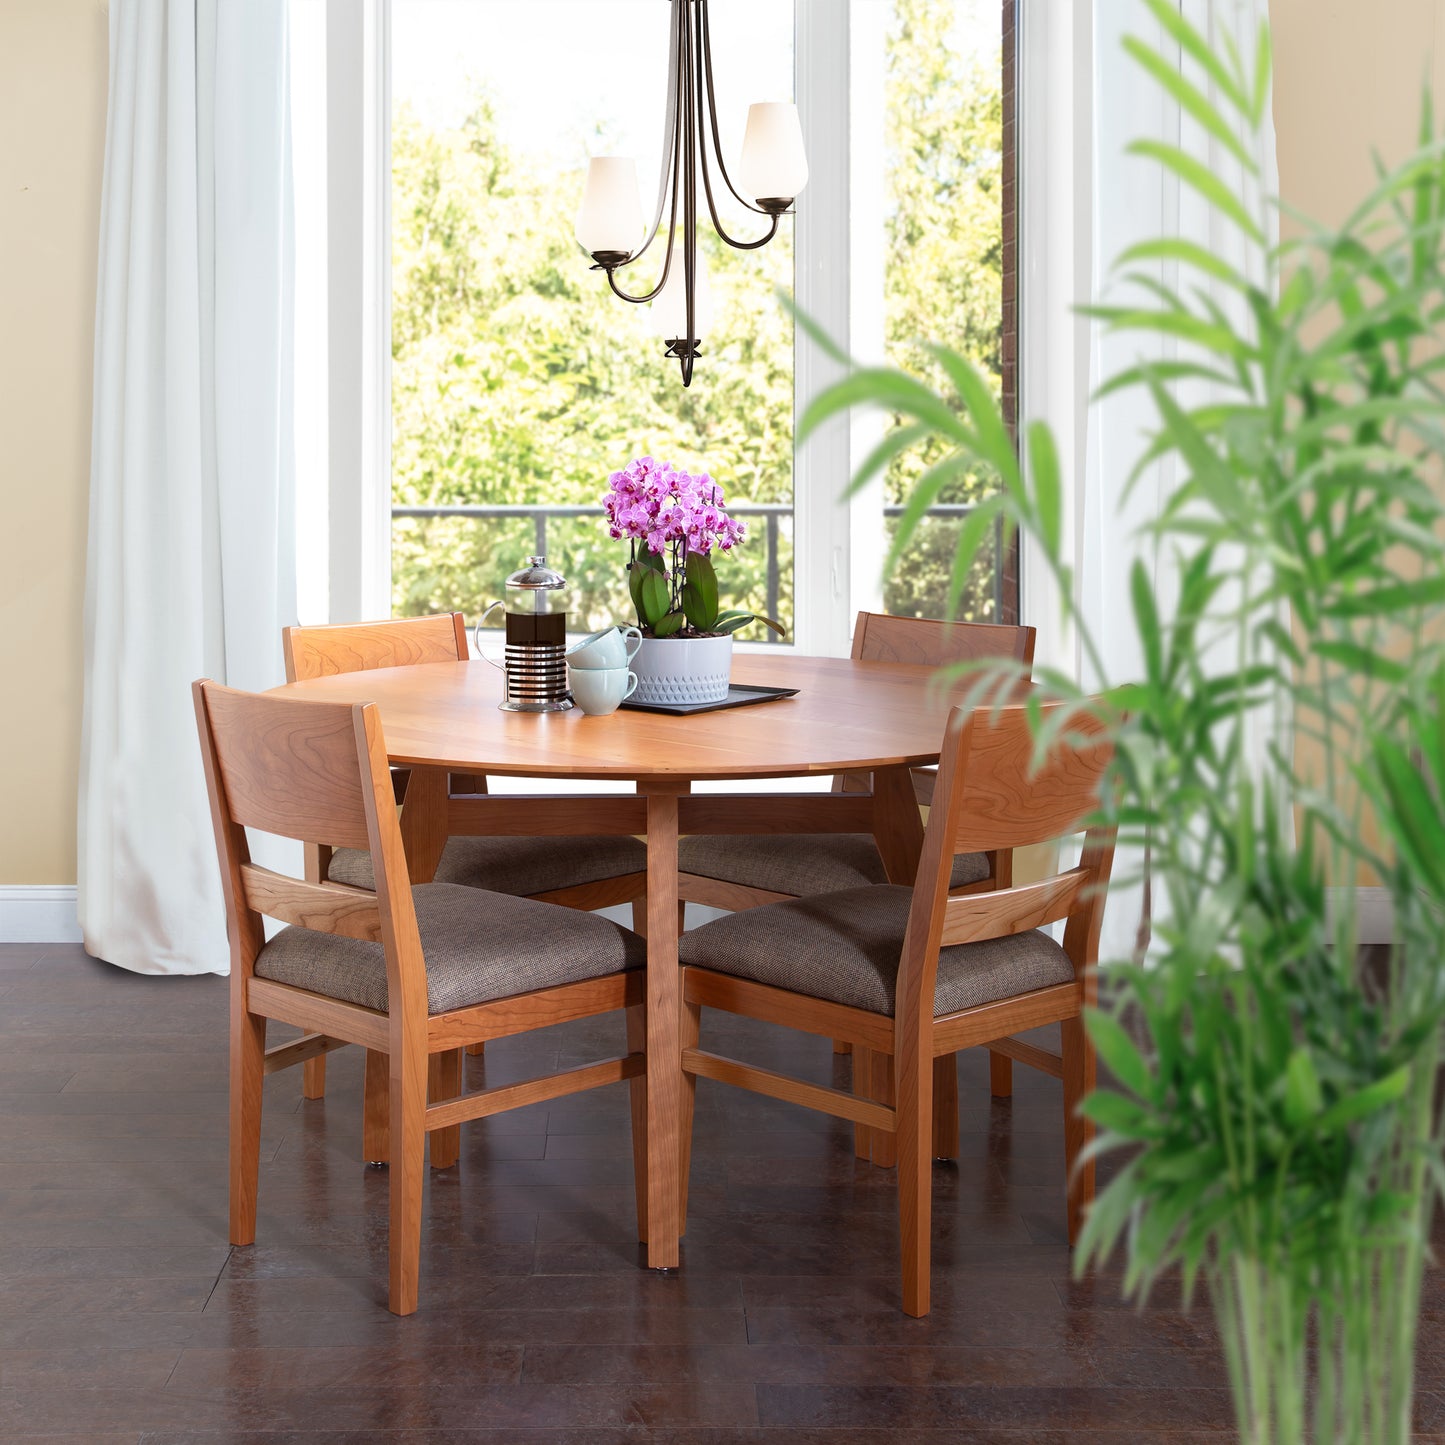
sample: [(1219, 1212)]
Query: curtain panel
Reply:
[(191, 553)]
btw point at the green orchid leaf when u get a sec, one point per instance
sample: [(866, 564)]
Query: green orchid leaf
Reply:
[(669, 624), (656, 597), (702, 578)]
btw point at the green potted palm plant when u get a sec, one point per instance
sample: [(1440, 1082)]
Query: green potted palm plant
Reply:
[(1271, 1090)]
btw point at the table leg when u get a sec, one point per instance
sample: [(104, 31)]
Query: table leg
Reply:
[(897, 824), (664, 1007)]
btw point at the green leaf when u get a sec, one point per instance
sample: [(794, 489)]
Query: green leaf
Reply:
[(702, 579), (1186, 253), (892, 390), (1118, 1052), (893, 445), (1363, 1102), (1198, 177), (1189, 99), (1048, 488), (666, 626), (1303, 1098), (656, 598), (1197, 46), (976, 528), (994, 443), (820, 338), (1367, 661)]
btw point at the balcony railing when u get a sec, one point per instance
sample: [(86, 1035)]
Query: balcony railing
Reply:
[(771, 512)]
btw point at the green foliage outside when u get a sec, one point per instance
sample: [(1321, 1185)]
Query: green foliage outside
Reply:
[(518, 378)]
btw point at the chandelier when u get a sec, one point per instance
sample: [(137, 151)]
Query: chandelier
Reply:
[(772, 170)]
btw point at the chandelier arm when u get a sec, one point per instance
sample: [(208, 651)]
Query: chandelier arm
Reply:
[(705, 67), (671, 237), (669, 129)]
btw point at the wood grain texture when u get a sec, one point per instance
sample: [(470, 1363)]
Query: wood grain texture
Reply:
[(776, 813), (1030, 1054), (530, 815), (254, 744), (757, 1080), (362, 646), (847, 715), (325, 907), (300, 1051), (1012, 910), (664, 1007)]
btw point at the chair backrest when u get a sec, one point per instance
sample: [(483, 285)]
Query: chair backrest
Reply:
[(359, 646), (994, 793), (306, 770), (927, 642), (880, 637)]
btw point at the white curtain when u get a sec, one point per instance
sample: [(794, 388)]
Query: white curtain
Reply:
[(191, 562), (1117, 200)]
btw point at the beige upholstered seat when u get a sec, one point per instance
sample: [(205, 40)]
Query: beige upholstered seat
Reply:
[(478, 946), (800, 865), (845, 947), (519, 866)]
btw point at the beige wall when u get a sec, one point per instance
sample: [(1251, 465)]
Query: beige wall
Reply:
[(1347, 77), (52, 130)]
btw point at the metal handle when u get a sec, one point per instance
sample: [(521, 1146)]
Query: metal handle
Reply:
[(477, 637)]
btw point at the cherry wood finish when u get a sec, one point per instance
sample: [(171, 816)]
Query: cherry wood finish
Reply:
[(921, 642), (849, 716), (440, 805), (308, 770), (986, 756)]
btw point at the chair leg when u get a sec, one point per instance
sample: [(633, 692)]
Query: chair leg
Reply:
[(1000, 1075), (637, 1044), (690, 1032), (313, 1078), (885, 1142), (376, 1109), (945, 1107), (1080, 1068), (248, 1068), (862, 1089), (444, 1081), (915, 1183), (408, 1171)]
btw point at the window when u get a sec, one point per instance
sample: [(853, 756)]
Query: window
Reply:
[(514, 382)]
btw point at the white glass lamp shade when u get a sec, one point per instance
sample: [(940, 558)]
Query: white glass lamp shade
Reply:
[(669, 310), (773, 164), (610, 217)]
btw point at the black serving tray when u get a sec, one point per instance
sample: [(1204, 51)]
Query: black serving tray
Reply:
[(738, 696)]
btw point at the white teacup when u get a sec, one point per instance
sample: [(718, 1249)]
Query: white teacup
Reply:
[(601, 690), (608, 648)]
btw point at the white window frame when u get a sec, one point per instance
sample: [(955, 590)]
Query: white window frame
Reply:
[(838, 543)]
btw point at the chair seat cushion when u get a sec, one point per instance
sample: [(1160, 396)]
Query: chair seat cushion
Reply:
[(845, 947), (801, 864), (519, 866), (478, 946)]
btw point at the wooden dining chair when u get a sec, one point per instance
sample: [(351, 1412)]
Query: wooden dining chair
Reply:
[(745, 870), (917, 974), (405, 972), (579, 872)]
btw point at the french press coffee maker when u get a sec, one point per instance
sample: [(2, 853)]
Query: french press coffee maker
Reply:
[(535, 661)]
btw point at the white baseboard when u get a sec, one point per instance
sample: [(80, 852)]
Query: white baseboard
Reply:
[(38, 913)]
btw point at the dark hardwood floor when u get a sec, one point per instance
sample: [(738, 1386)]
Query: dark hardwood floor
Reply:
[(126, 1317)]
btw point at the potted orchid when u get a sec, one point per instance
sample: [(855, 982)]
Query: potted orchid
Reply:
[(673, 521)]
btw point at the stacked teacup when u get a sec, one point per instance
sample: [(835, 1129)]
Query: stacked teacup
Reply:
[(597, 670)]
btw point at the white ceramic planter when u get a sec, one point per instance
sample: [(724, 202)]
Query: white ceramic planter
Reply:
[(683, 669)]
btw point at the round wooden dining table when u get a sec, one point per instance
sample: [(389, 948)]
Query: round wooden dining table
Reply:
[(883, 718)]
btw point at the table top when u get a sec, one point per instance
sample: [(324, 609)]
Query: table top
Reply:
[(847, 715)]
